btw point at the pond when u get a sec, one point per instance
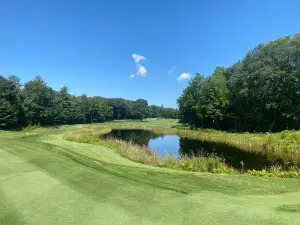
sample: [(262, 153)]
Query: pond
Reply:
[(178, 146)]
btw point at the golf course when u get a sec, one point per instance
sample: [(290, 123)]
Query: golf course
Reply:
[(46, 179), (128, 112)]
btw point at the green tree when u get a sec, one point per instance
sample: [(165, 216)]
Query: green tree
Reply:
[(39, 102), (140, 109), (7, 116), (64, 106), (189, 111), (100, 110), (9, 104), (258, 93), (213, 98), (82, 107)]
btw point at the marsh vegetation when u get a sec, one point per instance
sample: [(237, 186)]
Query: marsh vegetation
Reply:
[(253, 161)]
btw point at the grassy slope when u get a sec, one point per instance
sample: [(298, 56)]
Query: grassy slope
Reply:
[(47, 180)]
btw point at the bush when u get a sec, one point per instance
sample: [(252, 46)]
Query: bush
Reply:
[(275, 172)]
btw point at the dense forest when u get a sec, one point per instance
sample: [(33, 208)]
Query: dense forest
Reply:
[(35, 103), (260, 93)]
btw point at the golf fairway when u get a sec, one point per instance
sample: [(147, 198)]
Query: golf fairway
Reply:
[(45, 179)]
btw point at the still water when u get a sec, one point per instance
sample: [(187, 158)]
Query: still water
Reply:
[(181, 146)]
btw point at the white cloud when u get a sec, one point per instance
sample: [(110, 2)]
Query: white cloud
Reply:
[(170, 71), (184, 76), (141, 71), (137, 57)]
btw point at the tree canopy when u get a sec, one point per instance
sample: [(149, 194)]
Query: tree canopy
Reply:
[(259, 93), (35, 103)]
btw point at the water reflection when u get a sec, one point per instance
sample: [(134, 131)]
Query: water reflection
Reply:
[(182, 146), (140, 137), (234, 157), (165, 144)]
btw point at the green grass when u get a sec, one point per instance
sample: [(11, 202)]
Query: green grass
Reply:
[(282, 148), (45, 179), (145, 155), (90, 134), (37, 128), (146, 123), (289, 208)]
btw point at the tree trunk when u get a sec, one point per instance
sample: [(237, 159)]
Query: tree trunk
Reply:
[(272, 125), (235, 125)]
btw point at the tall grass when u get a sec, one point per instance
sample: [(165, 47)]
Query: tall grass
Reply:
[(145, 155), (31, 128), (281, 148)]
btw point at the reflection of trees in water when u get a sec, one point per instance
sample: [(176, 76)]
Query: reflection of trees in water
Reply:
[(190, 147), (140, 137), (233, 156)]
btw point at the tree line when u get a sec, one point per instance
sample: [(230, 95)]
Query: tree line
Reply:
[(260, 93), (35, 103)]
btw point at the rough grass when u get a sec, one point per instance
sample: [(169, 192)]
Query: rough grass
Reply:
[(145, 155), (281, 148), (37, 128), (91, 134), (289, 208)]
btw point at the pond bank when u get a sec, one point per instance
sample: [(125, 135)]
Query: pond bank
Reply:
[(280, 148), (178, 147), (91, 133)]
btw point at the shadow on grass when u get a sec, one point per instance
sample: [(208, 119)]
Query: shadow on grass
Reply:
[(289, 208)]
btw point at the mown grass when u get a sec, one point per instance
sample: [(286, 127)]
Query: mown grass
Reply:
[(30, 128), (45, 179), (146, 123)]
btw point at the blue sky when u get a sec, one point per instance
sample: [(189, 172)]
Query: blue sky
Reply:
[(94, 46)]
